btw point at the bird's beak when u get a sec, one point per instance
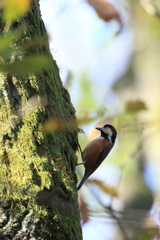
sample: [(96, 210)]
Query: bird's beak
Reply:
[(98, 128)]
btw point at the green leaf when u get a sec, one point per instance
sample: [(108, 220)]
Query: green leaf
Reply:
[(31, 64), (5, 42)]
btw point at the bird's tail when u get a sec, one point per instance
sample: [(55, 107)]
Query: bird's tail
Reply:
[(81, 182)]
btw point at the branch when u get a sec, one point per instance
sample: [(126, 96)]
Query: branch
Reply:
[(111, 212)]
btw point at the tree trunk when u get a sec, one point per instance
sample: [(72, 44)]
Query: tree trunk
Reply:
[(38, 197)]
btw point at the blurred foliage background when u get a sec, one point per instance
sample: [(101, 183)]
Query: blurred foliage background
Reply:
[(108, 54), (112, 72)]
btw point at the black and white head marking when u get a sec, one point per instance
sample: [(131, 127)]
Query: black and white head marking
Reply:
[(108, 132)]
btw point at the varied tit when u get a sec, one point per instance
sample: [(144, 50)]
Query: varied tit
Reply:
[(97, 150)]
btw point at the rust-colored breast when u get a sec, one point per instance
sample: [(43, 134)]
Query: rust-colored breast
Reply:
[(92, 151)]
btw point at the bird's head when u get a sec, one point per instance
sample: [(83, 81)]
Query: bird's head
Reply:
[(108, 132)]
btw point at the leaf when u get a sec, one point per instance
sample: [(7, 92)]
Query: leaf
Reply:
[(5, 41), (105, 188), (14, 9), (84, 211), (105, 10), (135, 106), (53, 124), (150, 234), (56, 124), (32, 44), (30, 64)]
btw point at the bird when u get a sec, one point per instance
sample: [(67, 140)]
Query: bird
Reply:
[(97, 150)]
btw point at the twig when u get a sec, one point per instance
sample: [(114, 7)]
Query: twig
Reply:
[(112, 213)]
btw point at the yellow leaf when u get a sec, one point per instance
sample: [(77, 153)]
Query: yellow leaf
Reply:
[(56, 124), (105, 188), (52, 124), (14, 9)]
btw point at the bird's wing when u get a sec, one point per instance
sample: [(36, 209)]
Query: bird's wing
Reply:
[(103, 154)]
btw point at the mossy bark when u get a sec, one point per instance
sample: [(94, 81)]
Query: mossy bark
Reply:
[(38, 197)]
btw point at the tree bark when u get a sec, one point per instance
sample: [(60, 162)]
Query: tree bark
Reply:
[(38, 197)]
